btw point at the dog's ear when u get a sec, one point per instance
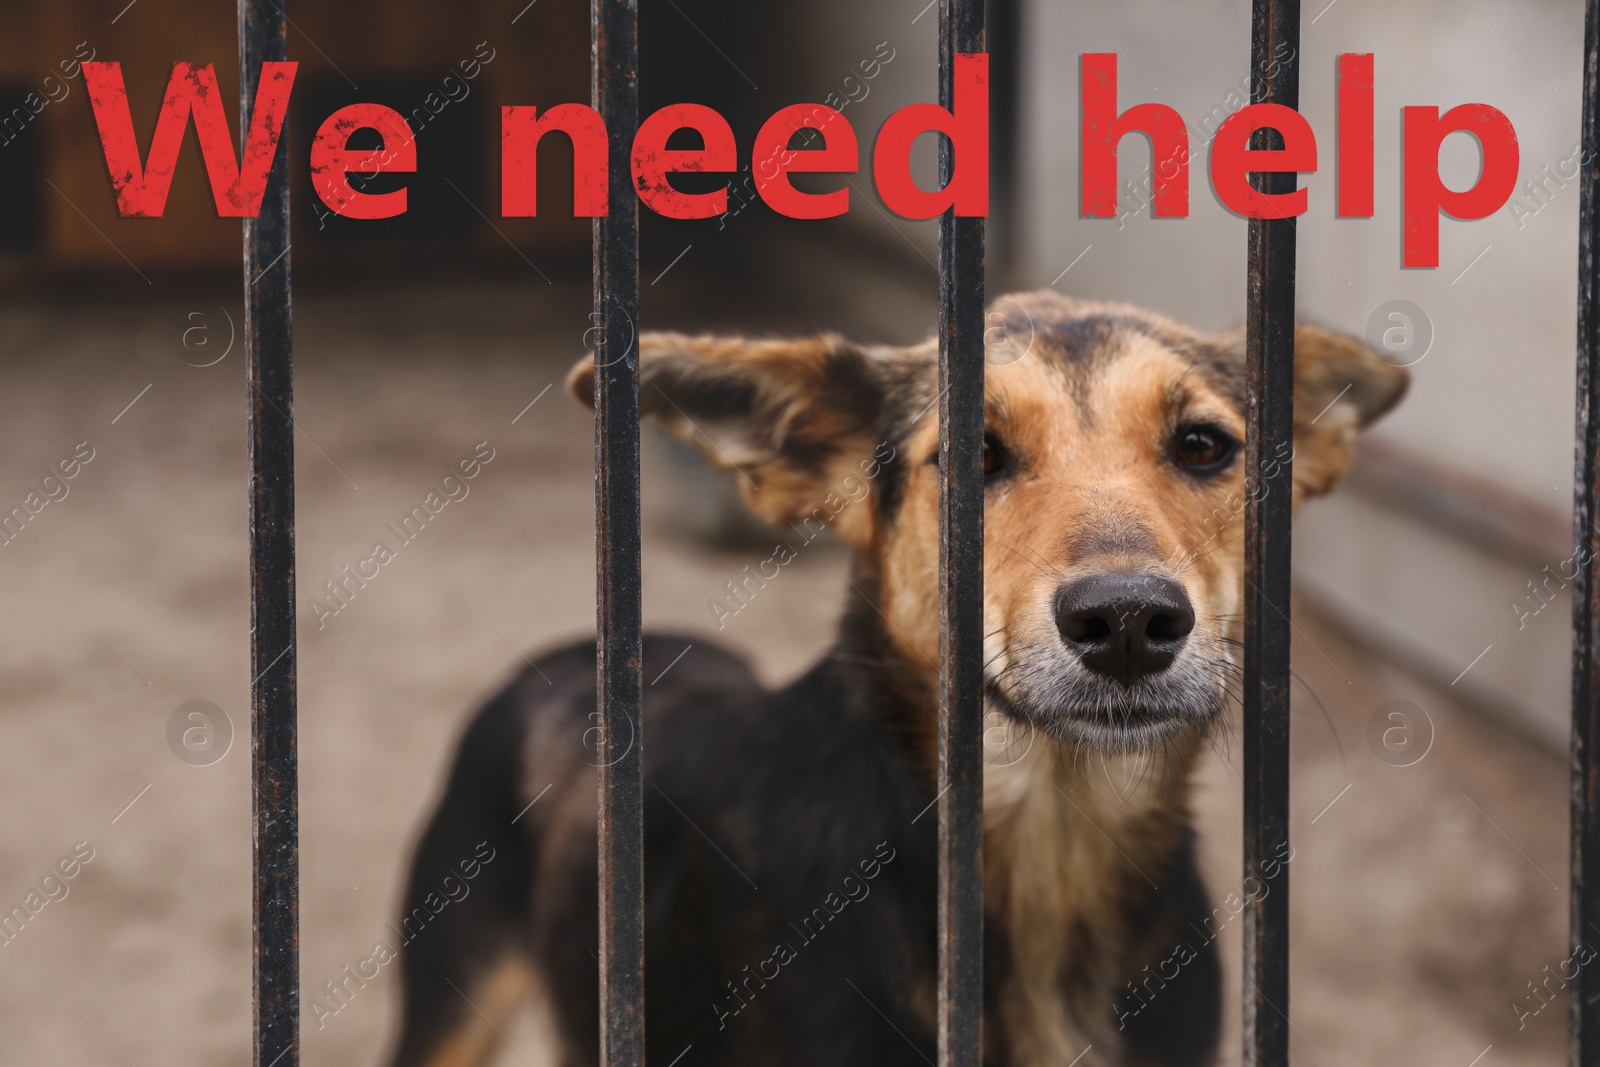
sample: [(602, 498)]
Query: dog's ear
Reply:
[(799, 422), (1340, 387)]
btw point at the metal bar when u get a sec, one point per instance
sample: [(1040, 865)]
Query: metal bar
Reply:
[(961, 364), (270, 441), (1269, 437), (1583, 1000), (614, 86), (1003, 32)]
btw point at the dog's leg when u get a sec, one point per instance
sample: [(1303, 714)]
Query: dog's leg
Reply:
[(446, 1028), (464, 925)]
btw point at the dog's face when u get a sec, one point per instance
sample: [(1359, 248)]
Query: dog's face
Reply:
[(1115, 487)]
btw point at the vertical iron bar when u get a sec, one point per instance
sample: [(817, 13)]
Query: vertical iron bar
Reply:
[(1583, 1004), (961, 364), (270, 440), (615, 93), (1269, 437), (1003, 38)]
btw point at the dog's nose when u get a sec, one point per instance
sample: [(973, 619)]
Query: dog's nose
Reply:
[(1125, 626)]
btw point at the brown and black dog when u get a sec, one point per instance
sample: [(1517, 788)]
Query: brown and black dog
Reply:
[(1115, 490)]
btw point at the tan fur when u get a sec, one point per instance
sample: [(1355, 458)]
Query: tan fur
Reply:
[(1055, 824), (492, 1003), (788, 378), (1060, 842)]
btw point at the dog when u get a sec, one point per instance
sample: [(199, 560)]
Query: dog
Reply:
[(790, 868)]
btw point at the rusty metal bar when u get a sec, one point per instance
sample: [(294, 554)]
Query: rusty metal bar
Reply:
[(1269, 437), (961, 362), (1003, 39), (614, 87), (1584, 996), (270, 441)]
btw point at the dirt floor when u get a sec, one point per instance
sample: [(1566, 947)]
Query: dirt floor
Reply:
[(1426, 897)]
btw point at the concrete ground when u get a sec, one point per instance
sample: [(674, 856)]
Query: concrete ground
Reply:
[(1426, 897)]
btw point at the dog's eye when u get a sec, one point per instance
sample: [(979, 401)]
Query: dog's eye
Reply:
[(995, 457), (1204, 449)]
